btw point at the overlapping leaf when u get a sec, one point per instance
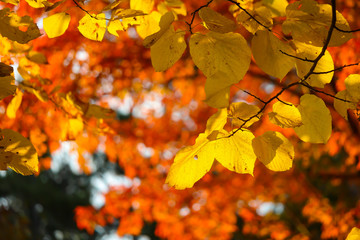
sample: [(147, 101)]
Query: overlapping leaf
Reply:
[(266, 51), (285, 115), (274, 150), (93, 27), (216, 22), (17, 152), (316, 119), (242, 112)]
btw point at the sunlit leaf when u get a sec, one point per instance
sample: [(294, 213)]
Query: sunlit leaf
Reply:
[(93, 27), (341, 106), (75, 126), (277, 7), (309, 22), (305, 51), (10, 23), (266, 51), (352, 83), (215, 52), (236, 152), (354, 234), (168, 49), (285, 115), (38, 3), (216, 22), (316, 120), (14, 104), (17, 152), (165, 22), (149, 24), (217, 89), (14, 2), (274, 150), (241, 112), (56, 24), (144, 5), (193, 162)]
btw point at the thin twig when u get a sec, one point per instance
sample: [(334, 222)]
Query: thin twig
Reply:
[(193, 14), (339, 68), (259, 99), (250, 15), (296, 57), (347, 31), (305, 84)]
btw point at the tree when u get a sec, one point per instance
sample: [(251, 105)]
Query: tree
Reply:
[(87, 78)]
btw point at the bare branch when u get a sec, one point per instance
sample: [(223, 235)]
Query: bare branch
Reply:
[(299, 58), (347, 31), (193, 14)]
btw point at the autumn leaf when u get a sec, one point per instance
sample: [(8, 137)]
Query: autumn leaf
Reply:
[(14, 104), (215, 21), (342, 106), (266, 49), (10, 23), (308, 22), (316, 120), (354, 234), (215, 52), (17, 153), (93, 26), (5, 70), (285, 115), (262, 14), (6, 86), (241, 112), (236, 152), (274, 150), (56, 24)]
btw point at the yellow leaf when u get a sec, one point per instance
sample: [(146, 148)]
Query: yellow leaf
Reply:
[(14, 2), (216, 22), (149, 24), (17, 153), (341, 107), (75, 126), (240, 112), (277, 7), (99, 112), (316, 120), (236, 152), (40, 94), (56, 24), (305, 51), (274, 150), (36, 57), (121, 25), (10, 23), (354, 234), (37, 3), (5, 70), (262, 14), (6, 86), (165, 22), (127, 13), (352, 83), (14, 104), (176, 6), (266, 51), (309, 22), (168, 49), (193, 162), (285, 116), (215, 52), (217, 90), (144, 5), (93, 27)]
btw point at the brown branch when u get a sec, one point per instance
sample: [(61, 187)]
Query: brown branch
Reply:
[(347, 31), (250, 15), (339, 68), (305, 84), (296, 57), (193, 14)]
